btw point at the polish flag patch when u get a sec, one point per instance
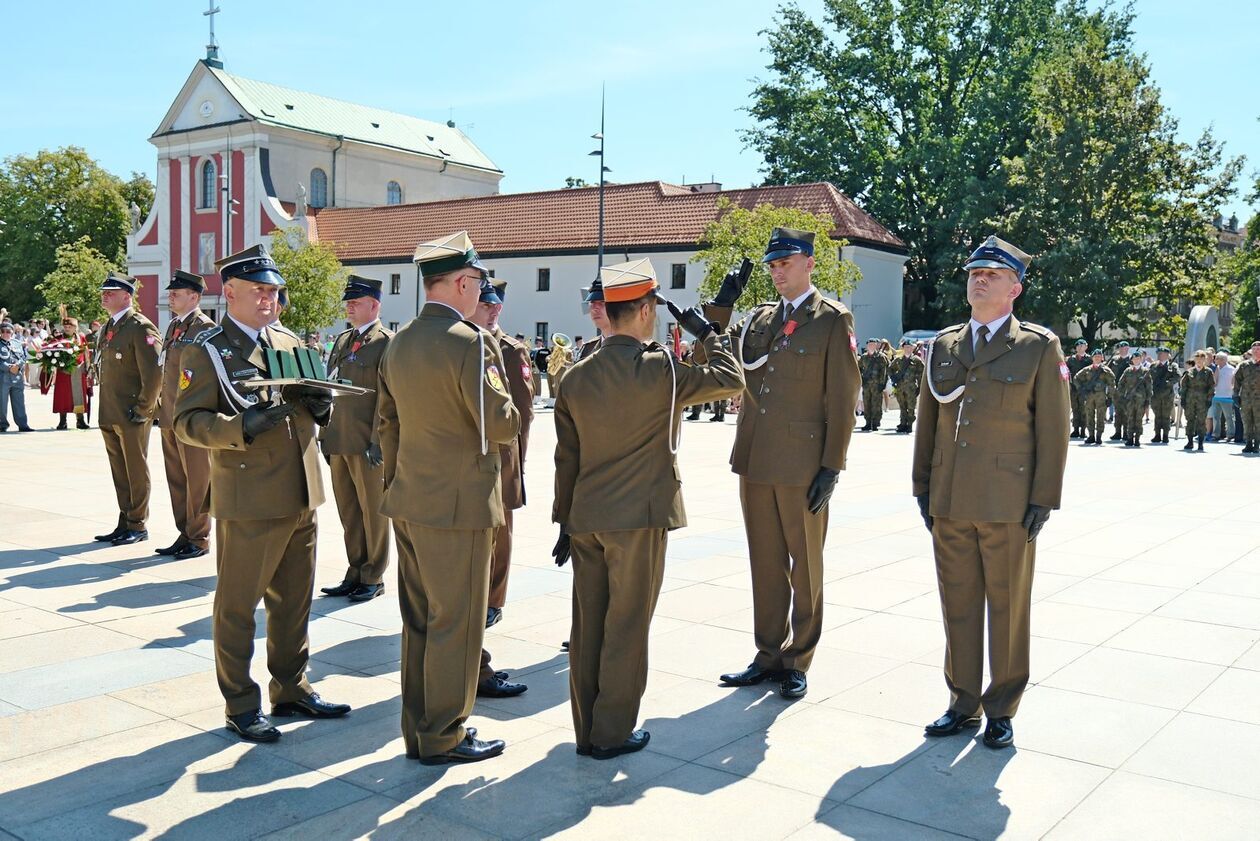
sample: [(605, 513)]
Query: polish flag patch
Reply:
[(149, 340), (1063, 371), (526, 373), (853, 343)]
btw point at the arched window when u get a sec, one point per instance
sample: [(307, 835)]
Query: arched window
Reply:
[(319, 188), (209, 184), (393, 193)]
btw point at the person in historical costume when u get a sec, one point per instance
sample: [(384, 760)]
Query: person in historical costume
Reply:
[(72, 389)]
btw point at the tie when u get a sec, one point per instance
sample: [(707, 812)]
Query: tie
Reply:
[(262, 339), (982, 337)]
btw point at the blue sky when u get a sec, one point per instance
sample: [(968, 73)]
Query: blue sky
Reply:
[(522, 79)]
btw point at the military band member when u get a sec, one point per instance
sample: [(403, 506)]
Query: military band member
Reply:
[(1134, 393), (618, 417), (1247, 398), (988, 469), (128, 381), (795, 422), (352, 445), (443, 410), (874, 367), (1077, 362), (1118, 365), (1164, 377), (1095, 386), (906, 374), (1198, 384), (187, 467), (265, 485)]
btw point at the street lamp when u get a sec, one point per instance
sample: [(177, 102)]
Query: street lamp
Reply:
[(599, 135)]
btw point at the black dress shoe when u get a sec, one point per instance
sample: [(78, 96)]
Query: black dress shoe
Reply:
[(173, 548), (497, 687), (751, 676), (191, 550), (493, 616), (999, 733), (25, 429), (638, 741), (500, 676), (130, 536), (109, 536), (253, 726), (794, 685), (345, 588), (312, 706), (469, 750), (951, 723), (365, 592)]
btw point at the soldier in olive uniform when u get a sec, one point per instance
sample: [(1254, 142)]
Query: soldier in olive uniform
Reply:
[(906, 374), (874, 368), (796, 418), (1247, 398), (1198, 385), (1164, 377), (128, 381), (1119, 363), (1133, 392), (594, 300), (265, 485), (989, 457), (1095, 385), (1076, 363), (443, 409), (618, 496), (187, 467)]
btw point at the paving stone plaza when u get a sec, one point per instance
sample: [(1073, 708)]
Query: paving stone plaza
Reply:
[(1143, 720)]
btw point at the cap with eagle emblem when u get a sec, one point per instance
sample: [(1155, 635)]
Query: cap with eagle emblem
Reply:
[(448, 254)]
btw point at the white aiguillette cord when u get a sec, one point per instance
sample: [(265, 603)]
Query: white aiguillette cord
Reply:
[(944, 398), (481, 391)]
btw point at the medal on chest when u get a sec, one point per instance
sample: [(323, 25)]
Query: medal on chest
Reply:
[(354, 351), (788, 330)]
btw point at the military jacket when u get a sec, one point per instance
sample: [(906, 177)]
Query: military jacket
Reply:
[(179, 335), (1135, 384), (127, 374), (1164, 376), (993, 427), (874, 368), (1247, 382), (276, 474), (518, 372), (1091, 379), (355, 357), (1197, 387), (1076, 364), (1119, 364), (906, 373)]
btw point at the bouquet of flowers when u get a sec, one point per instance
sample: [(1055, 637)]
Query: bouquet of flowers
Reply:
[(56, 357)]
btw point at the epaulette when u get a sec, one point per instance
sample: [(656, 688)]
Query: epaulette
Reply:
[(280, 328), (951, 329), (1045, 332), (207, 334), (838, 306)]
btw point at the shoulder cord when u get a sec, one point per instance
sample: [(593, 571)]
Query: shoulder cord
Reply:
[(749, 366), (234, 399), (672, 440), (943, 398), (481, 390)]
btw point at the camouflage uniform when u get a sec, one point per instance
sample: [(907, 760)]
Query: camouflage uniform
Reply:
[(1095, 385), (1133, 392), (1197, 388), (1118, 365), (1076, 364), (874, 368), (906, 375), (1164, 376), (1247, 398)]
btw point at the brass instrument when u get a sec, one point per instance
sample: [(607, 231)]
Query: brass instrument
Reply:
[(561, 354)]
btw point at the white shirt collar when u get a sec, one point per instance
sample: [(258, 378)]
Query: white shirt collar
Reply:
[(248, 331), (368, 326), (801, 299), (992, 325), (120, 315)]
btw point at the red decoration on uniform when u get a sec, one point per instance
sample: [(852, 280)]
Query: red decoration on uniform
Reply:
[(790, 328), (354, 348), (853, 343), (109, 337), (149, 340), (526, 373), (1063, 371)]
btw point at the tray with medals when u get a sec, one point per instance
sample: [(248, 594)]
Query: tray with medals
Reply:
[(301, 367)]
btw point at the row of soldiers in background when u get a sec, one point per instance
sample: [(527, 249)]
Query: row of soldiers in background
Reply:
[(880, 367)]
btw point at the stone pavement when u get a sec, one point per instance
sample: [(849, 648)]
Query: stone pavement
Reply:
[(1143, 720)]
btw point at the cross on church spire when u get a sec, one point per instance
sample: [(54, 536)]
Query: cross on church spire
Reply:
[(212, 49)]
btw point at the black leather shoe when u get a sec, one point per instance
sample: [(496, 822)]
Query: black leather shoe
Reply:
[(951, 723), (750, 676), (312, 706), (191, 550), (493, 616), (253, 726), (497, 687), (173, 548), (130, 536), (25, 429), (794, 685), (109, 537), (500, 676), (999, 733), (345, 588), (638, 741), (365, 592), (469, 750)]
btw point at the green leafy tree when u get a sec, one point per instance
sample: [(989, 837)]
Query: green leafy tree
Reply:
[(1244, 267), (76, 282), (314, 277), (49, 200), (140, 190), (738, 232), (572, 182)]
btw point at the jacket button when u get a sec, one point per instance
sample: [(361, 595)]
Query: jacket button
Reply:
[(971, 400), (962, 443), (771, 369), (765, 389), (973, 379), (1010, 379), (802, 350), (763, 411), (966, 421), (1021, 468), (242, 466)]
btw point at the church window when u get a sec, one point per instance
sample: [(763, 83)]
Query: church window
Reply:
[(209, 184), (393, 193), (319, 188)]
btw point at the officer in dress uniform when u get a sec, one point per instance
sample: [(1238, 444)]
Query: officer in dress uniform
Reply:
[(187, 467), (352, 446), (989, 456), (129, 379), (1164, 377), (443, 409), (1077, 362), (264, 488), (618, 494), (795, 422)]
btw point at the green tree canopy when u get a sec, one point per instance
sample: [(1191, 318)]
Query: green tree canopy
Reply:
[(737, 233), (76, 282), (1243, 266), (315, 279)]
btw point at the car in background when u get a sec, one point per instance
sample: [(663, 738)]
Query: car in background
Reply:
[(918, 335)]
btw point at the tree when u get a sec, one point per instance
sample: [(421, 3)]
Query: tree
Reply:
[(139, 190), (314, 277), (1244, 266), (76, 282), (573, 181), (737, 233), (49, 200)]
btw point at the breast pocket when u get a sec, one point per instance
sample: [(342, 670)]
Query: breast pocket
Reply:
[(1015, 390), (803, 363), (756, 344)]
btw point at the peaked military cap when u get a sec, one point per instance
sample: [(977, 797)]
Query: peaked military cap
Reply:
[(283, 297), (996, 253), (446, 255), (784, 242), (500, 288), (119, 281), (594, 293), (488, 295), (629, 281), (361, 287), (187, 280), (253, 264)]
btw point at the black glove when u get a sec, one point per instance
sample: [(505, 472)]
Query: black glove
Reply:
[(733, 284), (692, 320), (258, 419), (1034, 519), (561, 550), (820, 489), (318, 402), (922, 499), (375, 458), (134, 416)]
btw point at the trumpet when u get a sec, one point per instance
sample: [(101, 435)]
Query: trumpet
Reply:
[(561, 341), (561, 355)]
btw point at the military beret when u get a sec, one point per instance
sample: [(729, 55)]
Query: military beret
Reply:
[(1162, 349), (1098, 352), (1122, 344), (1082, 342)]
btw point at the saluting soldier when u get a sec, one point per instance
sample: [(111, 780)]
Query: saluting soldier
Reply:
[(988, 469), (128, 381), (264, 488), (1198, 384), (1247, 398), (1077, 362), (1164, 377), (352, 445), (618, 417), (1134, 393), (906, 373), (443, 408), (1095, 386), (795, 422), (874, 367), (187, 467), (1119, 363)]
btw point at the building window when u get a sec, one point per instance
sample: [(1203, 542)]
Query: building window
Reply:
[(209, 184), (205, 254), (395, 284), (393, 326), (544, 282), (393, 193), (542, 331), (678, 276), (319, 188)]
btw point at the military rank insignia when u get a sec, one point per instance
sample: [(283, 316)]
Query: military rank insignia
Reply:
[(185, 378), (493, 378)]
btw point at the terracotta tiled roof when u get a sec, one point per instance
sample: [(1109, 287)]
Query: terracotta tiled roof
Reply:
[(642, 215)]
